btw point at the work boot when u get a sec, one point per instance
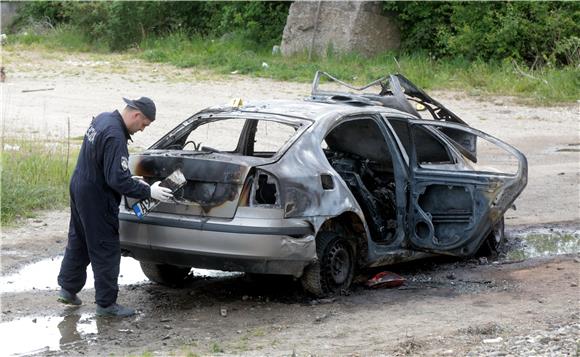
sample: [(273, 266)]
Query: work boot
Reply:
[(115, 310), (68, 298)]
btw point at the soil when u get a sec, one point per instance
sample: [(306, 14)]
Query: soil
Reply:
[(446, 307)]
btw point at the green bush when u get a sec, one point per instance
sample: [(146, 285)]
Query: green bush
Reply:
[(124, 24), (54, 12), (260, 22), (537, 33)]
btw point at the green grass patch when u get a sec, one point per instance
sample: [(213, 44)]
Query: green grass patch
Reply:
[(216, 348), (63, 37), (233, 54), (35, 175)]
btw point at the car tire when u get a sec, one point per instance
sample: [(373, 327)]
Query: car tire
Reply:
[(494, 242), (165, 274), (333, 272)]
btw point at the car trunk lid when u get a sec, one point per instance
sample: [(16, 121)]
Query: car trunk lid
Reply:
[(214, 180)]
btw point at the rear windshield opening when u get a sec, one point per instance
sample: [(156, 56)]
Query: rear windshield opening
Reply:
[(246, 137)]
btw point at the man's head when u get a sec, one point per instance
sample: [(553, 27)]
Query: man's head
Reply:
[(138, 114)]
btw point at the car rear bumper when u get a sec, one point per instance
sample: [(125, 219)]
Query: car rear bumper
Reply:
[(257, 245)]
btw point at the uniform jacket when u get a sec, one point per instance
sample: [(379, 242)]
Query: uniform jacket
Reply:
[(103, 161)]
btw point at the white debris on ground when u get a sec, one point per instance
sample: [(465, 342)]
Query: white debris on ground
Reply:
[(8, 147), (87, 63), (558, 340)]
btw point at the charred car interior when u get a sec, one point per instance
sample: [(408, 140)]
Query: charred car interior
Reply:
[(359, 154), (320, 187)]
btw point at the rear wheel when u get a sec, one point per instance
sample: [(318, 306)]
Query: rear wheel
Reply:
[(494, 241), (165, 274), (334, 270)]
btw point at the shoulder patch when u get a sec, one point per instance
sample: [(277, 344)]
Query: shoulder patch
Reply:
[(124, 163), (91, 133)]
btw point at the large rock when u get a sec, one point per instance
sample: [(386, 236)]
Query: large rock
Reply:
[(340, 27), (8, 13)]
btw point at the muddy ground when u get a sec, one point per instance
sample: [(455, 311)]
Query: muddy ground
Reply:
[(528, 305)]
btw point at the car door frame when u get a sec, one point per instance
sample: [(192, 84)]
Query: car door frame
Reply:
[(377, 250), (492, 193)]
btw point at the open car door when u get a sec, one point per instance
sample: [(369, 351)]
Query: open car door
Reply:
[(455, 202)]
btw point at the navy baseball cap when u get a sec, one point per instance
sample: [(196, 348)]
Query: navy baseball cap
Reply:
[(144, 105)]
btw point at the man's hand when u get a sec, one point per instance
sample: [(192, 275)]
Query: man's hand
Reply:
[(159, 193)]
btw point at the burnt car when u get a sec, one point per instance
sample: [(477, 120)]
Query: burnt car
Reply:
[(320, 187)]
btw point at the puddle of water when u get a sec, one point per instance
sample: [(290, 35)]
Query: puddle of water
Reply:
[(43, 275), (540, 243), (48, 333)]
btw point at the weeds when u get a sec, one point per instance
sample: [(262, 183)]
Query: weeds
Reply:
[(216, 348), (488, 329), (35, 175)]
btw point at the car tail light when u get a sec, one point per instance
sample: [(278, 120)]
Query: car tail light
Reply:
[(261, 190)]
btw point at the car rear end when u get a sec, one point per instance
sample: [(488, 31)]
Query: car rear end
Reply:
[(228, 216)]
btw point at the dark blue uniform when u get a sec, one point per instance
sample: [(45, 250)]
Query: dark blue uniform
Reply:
[(101, 176)]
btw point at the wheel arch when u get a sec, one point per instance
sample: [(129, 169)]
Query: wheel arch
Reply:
[(350, 225)]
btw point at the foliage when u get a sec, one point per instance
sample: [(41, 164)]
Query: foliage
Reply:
[(35, 175), (262, 22), (54, 12), (124, 24), (537, 33), (216, 348)]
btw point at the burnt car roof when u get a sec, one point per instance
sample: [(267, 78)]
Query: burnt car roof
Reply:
[(395, 91), (305, 109), (396, 95)]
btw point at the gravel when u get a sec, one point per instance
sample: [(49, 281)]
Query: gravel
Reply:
[(557, 340)]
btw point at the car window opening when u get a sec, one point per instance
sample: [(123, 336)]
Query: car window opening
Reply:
[(237, 136), (360, 155), (490, 158), (428, 148), (266, 138)]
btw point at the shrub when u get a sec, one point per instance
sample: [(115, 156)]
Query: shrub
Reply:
[(123, 24), (537, 33)]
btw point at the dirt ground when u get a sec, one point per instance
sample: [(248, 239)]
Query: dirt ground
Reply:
[(447, 307)]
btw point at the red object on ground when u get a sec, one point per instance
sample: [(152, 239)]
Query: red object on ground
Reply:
[(385, 279)]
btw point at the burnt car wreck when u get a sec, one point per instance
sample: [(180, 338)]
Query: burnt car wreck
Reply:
[(320, 187)]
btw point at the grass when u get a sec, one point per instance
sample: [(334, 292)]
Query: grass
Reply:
[(63, 37), (232, 54), (216, 348), (35, 175)]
